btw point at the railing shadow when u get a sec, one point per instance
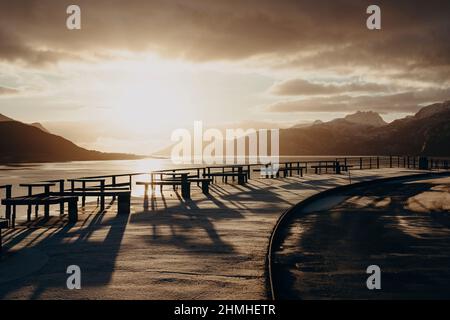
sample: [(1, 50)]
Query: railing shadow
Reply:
[(69, 244)]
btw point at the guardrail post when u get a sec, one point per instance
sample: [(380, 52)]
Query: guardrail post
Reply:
[(29, 206), (185, 186), (241, 178), (47, 206), (8, 194), (102, 197), (113, 182), (61, 190), (83, 198), (13, 218)]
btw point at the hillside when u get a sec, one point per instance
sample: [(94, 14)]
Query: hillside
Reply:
[(366, 133), (26, 143), (427, 132)]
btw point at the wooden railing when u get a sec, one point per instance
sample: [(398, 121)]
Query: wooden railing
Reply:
[(355, 163)]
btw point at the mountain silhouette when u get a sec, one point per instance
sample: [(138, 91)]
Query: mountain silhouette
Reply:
[(369, 118), (427, 133), (39, 126), (4, 118), (366, 133), (22, 142)]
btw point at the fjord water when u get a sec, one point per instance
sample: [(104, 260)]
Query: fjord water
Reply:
[(18, 173), (34, 172)]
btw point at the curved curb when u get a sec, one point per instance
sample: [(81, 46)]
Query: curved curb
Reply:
[(274, 236)]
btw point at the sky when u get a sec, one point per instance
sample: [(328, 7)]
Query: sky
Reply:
[(138, 69)]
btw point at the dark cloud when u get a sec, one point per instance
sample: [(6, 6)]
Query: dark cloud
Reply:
[(13, 49), (297, 87), (413, 32), (400, 102), (298, 35)]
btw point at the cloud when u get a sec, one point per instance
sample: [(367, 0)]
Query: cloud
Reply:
[(8, 91), (413, 32), (296, 36), (12, 49), (410, 101), (296, 87)]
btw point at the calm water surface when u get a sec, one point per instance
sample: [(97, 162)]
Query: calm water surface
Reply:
[(16, 174)]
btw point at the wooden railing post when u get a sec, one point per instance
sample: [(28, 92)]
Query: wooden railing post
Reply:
[(113, 182), (61, 190), (241, 178), (83, 198), (8, 194), (185, 186), (360, 163), (378, 162), (390, 161), (102, 197), (30, 192), (47, 206)]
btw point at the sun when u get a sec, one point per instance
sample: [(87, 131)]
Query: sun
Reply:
[(150, 92)]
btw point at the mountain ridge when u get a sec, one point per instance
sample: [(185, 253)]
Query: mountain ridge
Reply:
[(427, 132), (30, 143)]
